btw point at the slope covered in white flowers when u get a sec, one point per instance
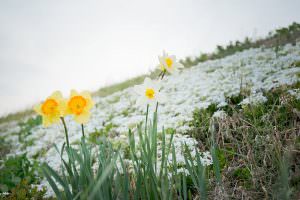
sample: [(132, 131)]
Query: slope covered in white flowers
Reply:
[(196, 87)]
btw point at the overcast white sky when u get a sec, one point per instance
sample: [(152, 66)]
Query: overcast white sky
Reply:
[(59, 45)]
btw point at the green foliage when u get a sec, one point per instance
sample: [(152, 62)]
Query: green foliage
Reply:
[(144, 178), (40, 153), (98, 134), (197, 173), (4, 147), (249, 139), (14, 170), (233, 103), (282, 187), (201, 122), (77, 178), (243, 174), (235, 100), (202, 58), (296, 64), (125, 112), (24, 191), (223, 161), (277, 111), (170, 131), (277, 39)]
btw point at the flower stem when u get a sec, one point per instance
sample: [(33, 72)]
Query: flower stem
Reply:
[(146, 118), (82, 129), (66, 131), (162, 76)]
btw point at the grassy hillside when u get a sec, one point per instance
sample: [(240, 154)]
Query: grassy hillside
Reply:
[(276, 39), (258, 145), (229, 129)]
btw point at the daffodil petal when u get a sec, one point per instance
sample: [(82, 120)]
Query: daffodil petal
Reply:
[(73, 93), (38, 108), (86, 94), (82, 118), (56, 95), (173, 58)]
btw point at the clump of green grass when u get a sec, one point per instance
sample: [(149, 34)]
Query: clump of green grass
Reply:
[(16, 169), (201, 122), (42, 152), (95, 136), (243, 174), (250, 137)]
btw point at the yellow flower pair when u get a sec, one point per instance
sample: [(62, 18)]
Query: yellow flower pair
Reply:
[(55, 107)]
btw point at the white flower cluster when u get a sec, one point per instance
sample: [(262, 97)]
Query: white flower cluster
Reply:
[(182, 141), (254, 98)]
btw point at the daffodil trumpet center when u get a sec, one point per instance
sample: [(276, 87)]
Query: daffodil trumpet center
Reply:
[(169, 62), (49, 107), (150, 93), (77, 104)]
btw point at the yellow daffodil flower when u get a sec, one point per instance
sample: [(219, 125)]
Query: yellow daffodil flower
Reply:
[(79, 105), (52, 108), (149, 93), (168, 63)]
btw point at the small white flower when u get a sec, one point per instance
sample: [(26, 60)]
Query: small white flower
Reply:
[(206, 162), (149, 93), (206, 158), (169, 63), (220, 114), (184, 171)]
